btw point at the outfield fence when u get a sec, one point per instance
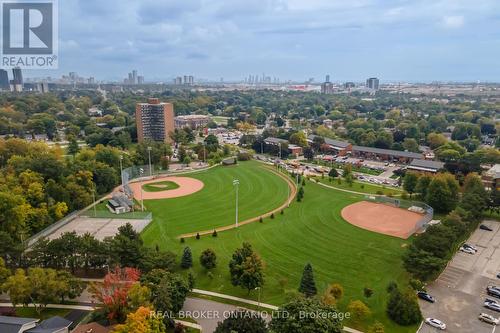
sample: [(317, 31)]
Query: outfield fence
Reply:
[(136, 215), (428, 211)]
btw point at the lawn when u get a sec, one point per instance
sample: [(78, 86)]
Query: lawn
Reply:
[(361, 187), (160, 186), (310, 231), (45, 314)]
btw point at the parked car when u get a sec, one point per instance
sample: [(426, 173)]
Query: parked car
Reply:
[(435, 323), (473, 248), (493, 291), (485, 227), (488, 318), (467, 250), (492, 305), (425, 296)]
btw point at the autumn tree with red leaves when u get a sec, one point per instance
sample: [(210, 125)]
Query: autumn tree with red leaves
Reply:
[(113, 292)]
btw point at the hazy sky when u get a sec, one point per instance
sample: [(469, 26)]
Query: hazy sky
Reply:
[(418, 40)]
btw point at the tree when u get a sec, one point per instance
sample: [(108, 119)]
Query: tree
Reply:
[(38, 286), (294, 321), (246, 268), (69, 287), (308, 153), (141, 321), (410, 182), (359, 310), (376, 328), (113, 291), (403, 308), (475, 198), (439, 194), (73, 147), (242, 321), (307, 283), (333, 173), (187, 258), (126, 247), (208, 259), (168, 290), (422, 186), (300, 194), (333, 294), (4, 273)]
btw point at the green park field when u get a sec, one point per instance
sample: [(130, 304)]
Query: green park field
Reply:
[(309, 231)]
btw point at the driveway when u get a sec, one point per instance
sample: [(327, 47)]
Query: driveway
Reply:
[(461, 289)]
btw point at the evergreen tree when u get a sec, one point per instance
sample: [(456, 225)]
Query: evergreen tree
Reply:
[(73, 148), (187, 258), (307, 284), (208, 259)]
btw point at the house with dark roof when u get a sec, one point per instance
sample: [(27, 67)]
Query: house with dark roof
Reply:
[(425, 166), (16, 325), (92, 328), (30, 325)]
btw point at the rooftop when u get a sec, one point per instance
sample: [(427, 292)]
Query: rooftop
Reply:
[(332, 142), (391, 152), (426, 164)]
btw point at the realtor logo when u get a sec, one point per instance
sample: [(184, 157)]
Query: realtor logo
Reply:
[(29, 34)]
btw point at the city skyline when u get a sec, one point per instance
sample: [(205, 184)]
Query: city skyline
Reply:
[(395, 40)]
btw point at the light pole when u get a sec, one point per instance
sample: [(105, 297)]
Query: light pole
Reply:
[(141, 171), (149, 154), (259, 289), (279, 144), (236, 184), (262, 147), (121, 172), (204, 152)]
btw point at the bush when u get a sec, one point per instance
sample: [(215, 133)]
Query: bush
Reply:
[(368, 292), (244, 156), (214, 234), (198, 236), (260, 219), (182, 240), (403, 308), (272, 216), (282, 212)]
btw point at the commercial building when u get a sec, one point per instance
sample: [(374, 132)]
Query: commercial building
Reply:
[(17, 80), (385, 154), (194, 121), (491, 178), (282, 143), (154, 120), (372, 83), (337, 147), (425, 166)]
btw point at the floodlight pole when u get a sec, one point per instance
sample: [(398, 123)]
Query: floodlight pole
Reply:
[(149, 154), (141, 171), (279, 144), (121, 172), (259, 289), (204, 152), (236, 184)]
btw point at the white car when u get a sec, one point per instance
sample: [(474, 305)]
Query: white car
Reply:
[(435, 323), (467, 250), (488, 319), (473, 248)]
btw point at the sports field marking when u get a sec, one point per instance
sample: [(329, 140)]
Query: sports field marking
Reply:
[(382, 218), (160, 186)]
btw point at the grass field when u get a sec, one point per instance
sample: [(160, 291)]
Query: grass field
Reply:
[(361, 187), (160, 186), (310, 231)]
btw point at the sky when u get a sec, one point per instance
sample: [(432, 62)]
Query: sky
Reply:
[(395, 40)]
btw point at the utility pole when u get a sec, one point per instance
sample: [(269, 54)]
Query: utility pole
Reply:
[(204, 152), (236, 184), (279, 144)]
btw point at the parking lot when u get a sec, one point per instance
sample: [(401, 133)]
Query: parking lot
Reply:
[(460, 290)]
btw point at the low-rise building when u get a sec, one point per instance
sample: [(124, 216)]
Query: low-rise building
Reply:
[(491, 178), (385, 154), (193, 121), (337, 147), (425, 166)]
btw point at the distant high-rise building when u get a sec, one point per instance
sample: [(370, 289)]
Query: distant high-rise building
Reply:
[(42, 87), (4, 80), (91, 80), (134, 77), (186, 79), (154, 120), (178, 80), (130, 78), (349, 85), (191, 80), (327, 86), (140, 79), (17, 76), (372, 83)]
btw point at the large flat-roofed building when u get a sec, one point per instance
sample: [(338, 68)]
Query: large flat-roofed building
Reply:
[(194, 121), (385, 154), (425, 166), (154, 120)]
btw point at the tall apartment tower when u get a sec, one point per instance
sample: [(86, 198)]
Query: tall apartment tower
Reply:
[(372, 83), (327, 86), (154, 120), (4, 80)]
